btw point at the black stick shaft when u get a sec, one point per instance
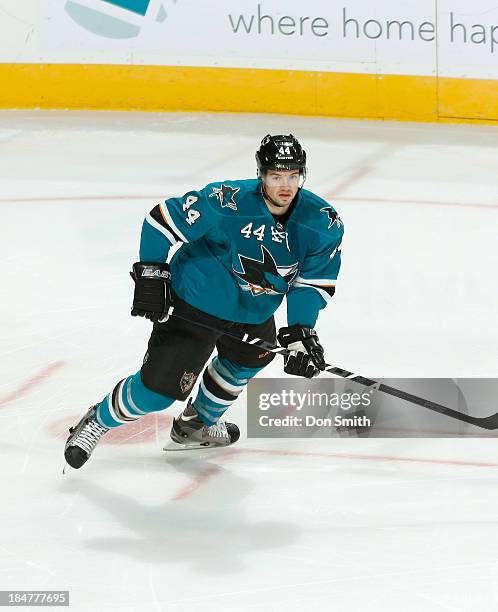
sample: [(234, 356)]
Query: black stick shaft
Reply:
[(490, 422)]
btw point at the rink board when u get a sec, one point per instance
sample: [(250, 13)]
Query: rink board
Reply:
[(418, 60), (174, 88)]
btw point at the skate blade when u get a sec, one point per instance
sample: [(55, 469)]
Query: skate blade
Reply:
[(176, 446), (66, 469)]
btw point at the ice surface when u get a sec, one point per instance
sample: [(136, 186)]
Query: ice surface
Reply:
[(348, 524)]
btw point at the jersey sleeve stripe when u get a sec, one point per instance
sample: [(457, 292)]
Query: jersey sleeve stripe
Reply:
[(151, 221), (326, 294), (157, 214), (169, 220), (320, 282), (325, 291)]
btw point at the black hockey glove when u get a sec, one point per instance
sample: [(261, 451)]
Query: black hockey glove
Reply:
[(307, 356), (152, 297)]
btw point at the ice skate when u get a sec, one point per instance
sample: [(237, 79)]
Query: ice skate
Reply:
[(83, 440), (190, 433)]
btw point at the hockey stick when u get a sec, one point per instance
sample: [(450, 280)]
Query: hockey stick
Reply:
[(489, 422)]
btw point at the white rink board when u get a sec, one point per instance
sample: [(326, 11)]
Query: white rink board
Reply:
[(452, 38)]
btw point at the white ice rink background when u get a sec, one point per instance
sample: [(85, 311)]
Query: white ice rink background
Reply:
[(345, 524)]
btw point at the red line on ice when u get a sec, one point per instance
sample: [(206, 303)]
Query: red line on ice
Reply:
[(198, 481), (348, 182), (332, 195), (203, 477), (407, 201), (88, 198), (214, 469), (32, 382), (368, 457)]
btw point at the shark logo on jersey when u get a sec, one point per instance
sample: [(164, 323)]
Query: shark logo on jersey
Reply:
[(225, 195), (263, 276), (332, 215)]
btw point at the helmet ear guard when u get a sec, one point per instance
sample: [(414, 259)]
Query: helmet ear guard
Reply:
[(281, 152)]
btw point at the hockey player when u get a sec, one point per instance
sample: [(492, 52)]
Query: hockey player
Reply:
[(245, 245)]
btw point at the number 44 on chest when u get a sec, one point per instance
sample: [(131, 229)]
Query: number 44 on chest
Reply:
[(259, 232)]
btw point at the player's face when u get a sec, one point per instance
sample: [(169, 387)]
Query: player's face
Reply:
[(281, 186)]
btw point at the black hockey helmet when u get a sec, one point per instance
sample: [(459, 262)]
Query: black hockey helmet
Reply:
[(282, 152)]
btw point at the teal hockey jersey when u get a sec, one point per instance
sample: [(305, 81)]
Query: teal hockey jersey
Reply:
[(237, 261)]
